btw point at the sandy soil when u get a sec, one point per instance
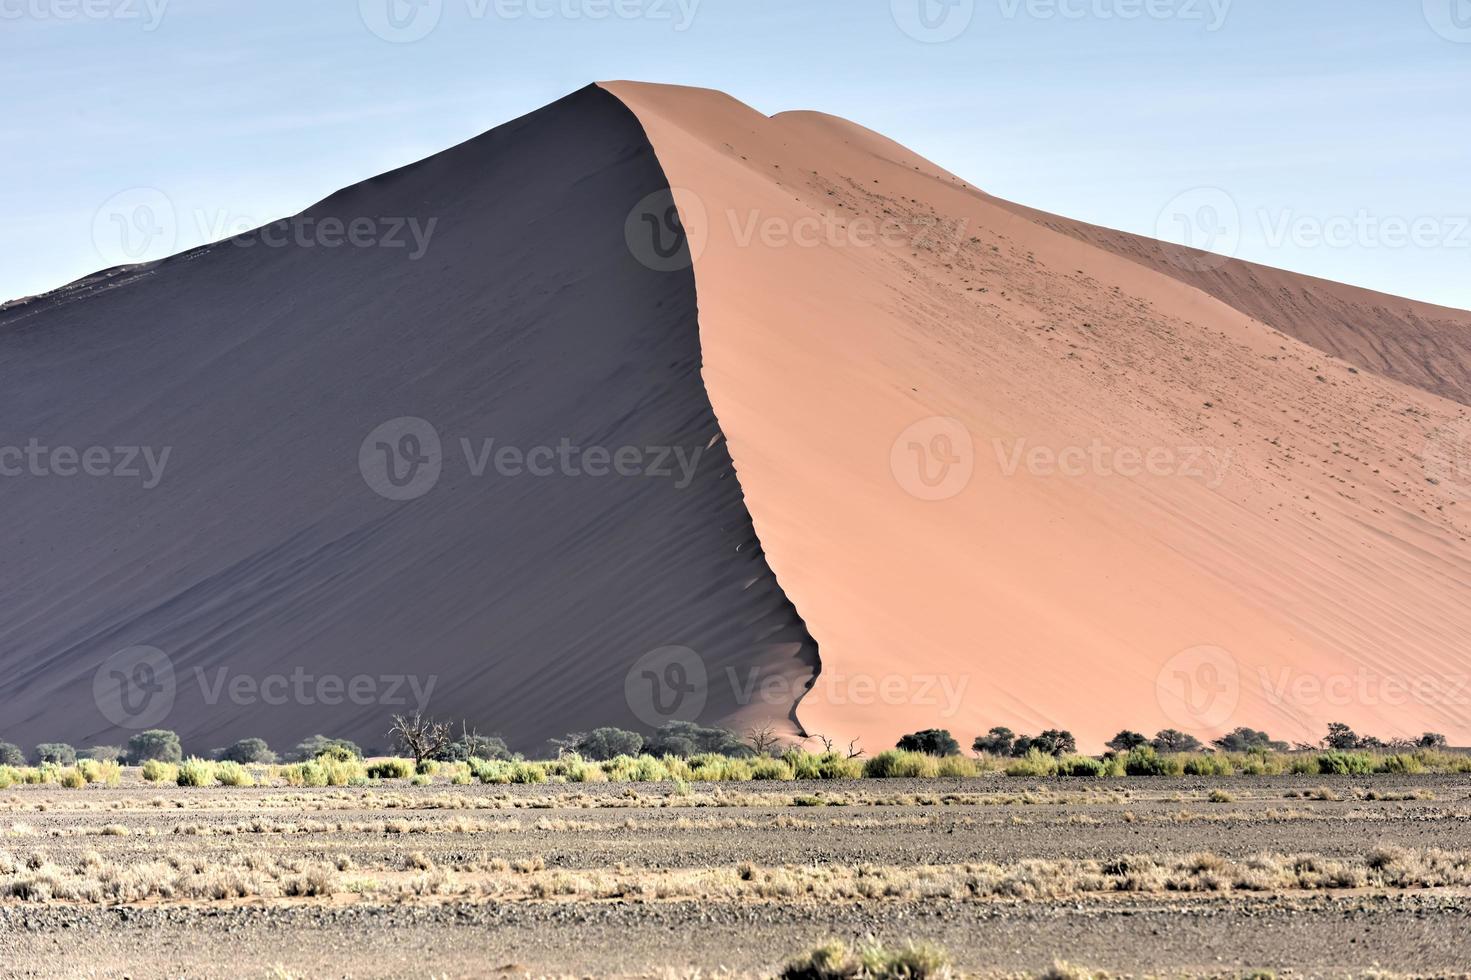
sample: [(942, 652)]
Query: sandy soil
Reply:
[(652, 832)]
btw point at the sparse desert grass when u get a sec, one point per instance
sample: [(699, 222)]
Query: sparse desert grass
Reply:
[(835, 961)]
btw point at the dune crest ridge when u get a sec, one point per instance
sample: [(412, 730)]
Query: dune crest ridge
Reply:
[(1015, 471)]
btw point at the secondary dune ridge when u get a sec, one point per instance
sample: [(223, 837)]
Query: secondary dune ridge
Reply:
[(1015, 476)]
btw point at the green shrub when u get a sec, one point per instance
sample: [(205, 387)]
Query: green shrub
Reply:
[(157, 744), (56, 753), (931, 741), (685, 738), (1035, 763), (229, 773), (249, 751), (391, 769), (103, 753), (1145, 761), (527, 773), (898, 764), (11, 755), (317, 746), (1081, 765), (833, 961), (957, 767), (155, 771), (71, 778), (602, 744), (765, 767), (1338, 763), (1402, 763), (196, 772), (486, 748), (106, 772), (1208, 765)]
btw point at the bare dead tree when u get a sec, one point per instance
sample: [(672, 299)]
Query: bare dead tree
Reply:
[(826, 740), (762, 739), (854, 752), (423, 738)]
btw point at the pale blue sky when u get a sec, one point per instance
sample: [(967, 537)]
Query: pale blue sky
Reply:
[(1349, 118)]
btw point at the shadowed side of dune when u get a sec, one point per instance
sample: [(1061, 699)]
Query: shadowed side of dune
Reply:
[(487, 478)]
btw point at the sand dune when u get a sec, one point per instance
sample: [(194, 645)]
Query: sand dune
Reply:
[(994, 467), (1011, 477), (520, 602)]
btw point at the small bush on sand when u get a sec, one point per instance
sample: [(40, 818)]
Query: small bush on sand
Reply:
[(897, 764), (155, 771), (312, 748), (765, 767), (71, 779), (1081, 765), (834, 961), (196, 772), (1146, 761), (229, 773), (391, 769), (56, 753), (249, 751), (931, 741), (156, 743), (108, 772), (1336, 763), (1035, 763), (1208, 765)]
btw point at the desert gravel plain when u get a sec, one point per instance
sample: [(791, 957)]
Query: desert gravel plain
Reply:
[(1303, 876)]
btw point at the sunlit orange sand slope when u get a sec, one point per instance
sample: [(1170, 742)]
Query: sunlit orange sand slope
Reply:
[(1018, 471)]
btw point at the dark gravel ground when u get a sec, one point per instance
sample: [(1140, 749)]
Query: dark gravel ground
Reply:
[(1426, 933)]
